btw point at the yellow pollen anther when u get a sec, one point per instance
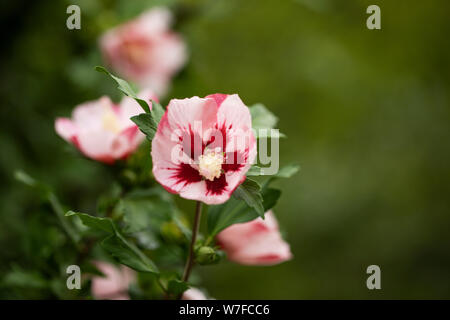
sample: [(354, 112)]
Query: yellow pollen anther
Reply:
[(110, 121), (210, 164)]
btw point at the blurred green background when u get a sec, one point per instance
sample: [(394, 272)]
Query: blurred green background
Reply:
[(366, 113)]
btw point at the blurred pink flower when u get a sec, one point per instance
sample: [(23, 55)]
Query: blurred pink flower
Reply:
[(145, 50), (102, 130), (203, 147), (257, 242), (114, 285), (193, 294)]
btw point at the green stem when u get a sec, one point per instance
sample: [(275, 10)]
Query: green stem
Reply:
[(209, 240), (57, 208), (195, 228), (161, 285)]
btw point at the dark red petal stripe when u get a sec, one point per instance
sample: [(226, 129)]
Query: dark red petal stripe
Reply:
[(216, 187), (257, 228), (268, 258), (234, 161), (216, 134), (185, 174), (192, 143)]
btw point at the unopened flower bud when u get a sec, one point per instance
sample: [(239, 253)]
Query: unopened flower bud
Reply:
[(206, 255)]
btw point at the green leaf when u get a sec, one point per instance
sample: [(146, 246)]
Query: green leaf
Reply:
[(128, 254), (147, 209), (262, 118), (43, 189), (237, 211), (145, 212), (270, 196), (157, 111), (146, 124), (250, 192), (25, 178), (255, 171), (263, 121), (23, 278), (268, 133), (287, 171), (119, 247), (48, 196), (96, 223), (90, 268), (177, 287), (125, 88)]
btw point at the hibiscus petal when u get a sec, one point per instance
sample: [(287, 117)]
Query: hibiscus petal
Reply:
[(216, 187), (66, 129), (170, 51), (185, 174), (192, 143), (153, 21), (87, 115), (96, 144), (114, 285), (233, 113), (234, 161), (171, 166), (218, 97), (129, 107), (195, 113), (126, 142), (265, 249)]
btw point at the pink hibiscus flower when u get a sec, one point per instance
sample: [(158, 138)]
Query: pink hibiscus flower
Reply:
[(257, 242), (193, 294), (145, 50), (203, 147), (114, 285), (102, 130)]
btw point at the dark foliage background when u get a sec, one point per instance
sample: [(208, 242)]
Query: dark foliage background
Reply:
[(366, 112)]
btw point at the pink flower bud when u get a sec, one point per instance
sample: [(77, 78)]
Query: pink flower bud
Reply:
[(114, 286), (257, 242), (193, 294)]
